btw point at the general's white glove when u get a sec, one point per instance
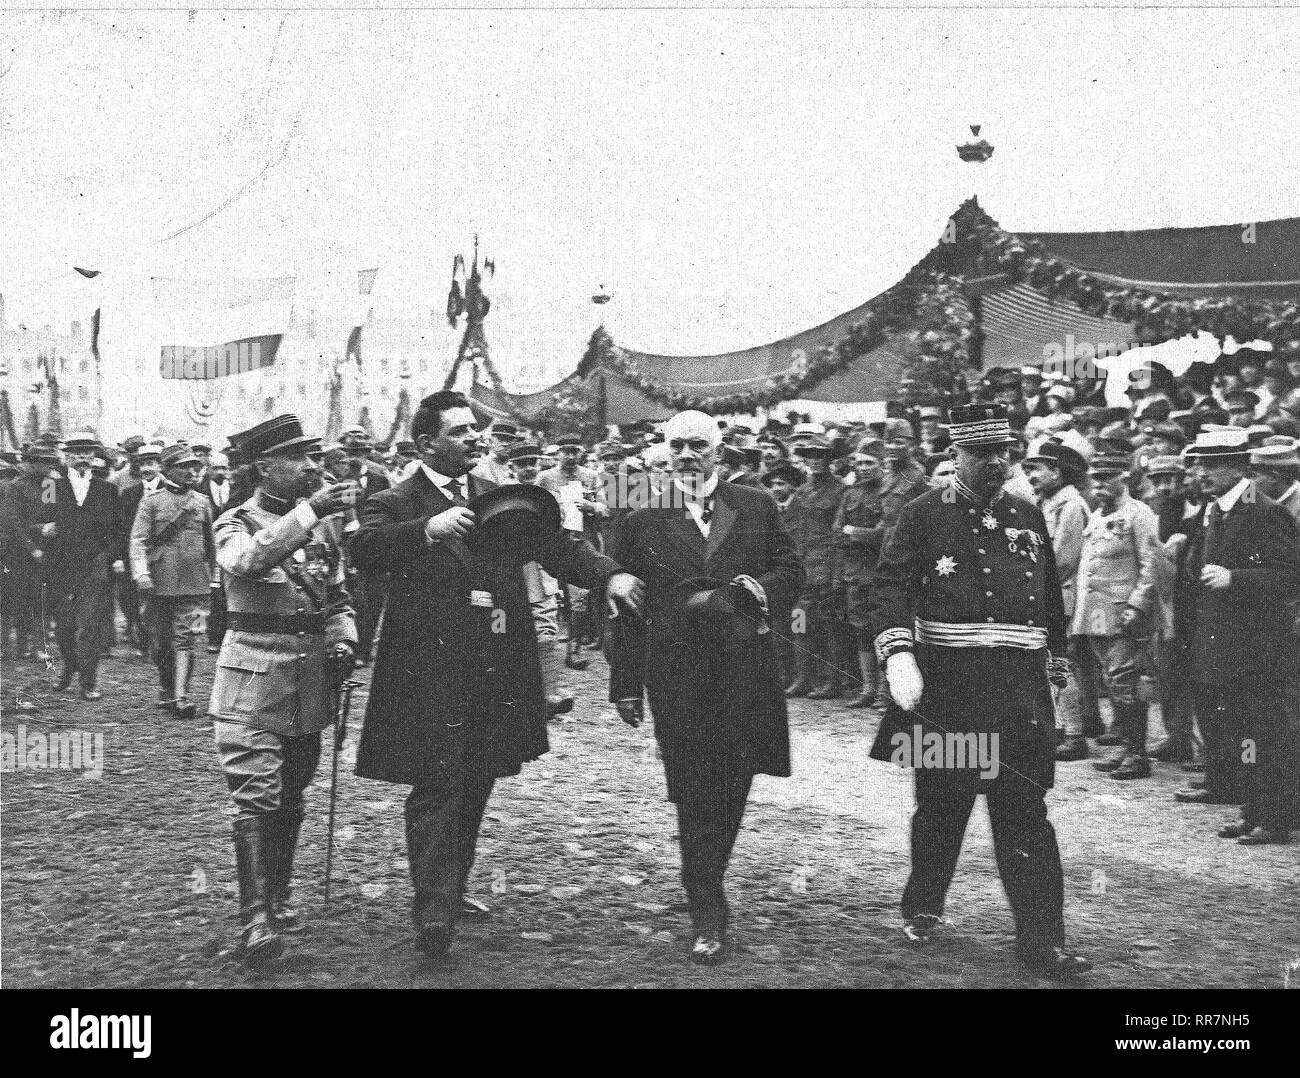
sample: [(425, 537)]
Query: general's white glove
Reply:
[(904, 677)]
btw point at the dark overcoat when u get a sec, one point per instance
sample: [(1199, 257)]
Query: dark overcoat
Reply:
[(441, 660), (711, 708), (1245, 629), (90, 536)]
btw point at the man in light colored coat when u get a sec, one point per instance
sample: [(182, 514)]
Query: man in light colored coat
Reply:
[(172, 558), (1117, 608)]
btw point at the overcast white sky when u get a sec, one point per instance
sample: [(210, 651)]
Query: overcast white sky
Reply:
[(730, 177)]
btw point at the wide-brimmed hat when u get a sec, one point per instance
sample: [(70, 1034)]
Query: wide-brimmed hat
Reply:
[(513, 523), (82, 441), (177, 456), (711, 613), (782, 470), (812, 446), (980, 424), (1278, 451), (1166, 464), (283, 434), (1226, 444)]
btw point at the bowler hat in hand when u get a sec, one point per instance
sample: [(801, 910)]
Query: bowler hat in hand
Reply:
[(712, 614), (512, 523)]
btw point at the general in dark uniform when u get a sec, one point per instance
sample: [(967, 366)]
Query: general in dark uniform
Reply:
[(967, 610)]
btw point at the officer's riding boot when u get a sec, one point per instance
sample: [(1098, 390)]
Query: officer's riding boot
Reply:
[(282, 843), (167, 685), (260, 942), (1135, 764), (184, 668), (870, 680)]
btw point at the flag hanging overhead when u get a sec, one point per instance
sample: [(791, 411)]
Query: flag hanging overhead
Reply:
[(365, 283), (215, 329)]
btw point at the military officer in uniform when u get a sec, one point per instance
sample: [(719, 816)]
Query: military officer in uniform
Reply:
[(171, 564), (289, 644), (967, 609), (812, 520)]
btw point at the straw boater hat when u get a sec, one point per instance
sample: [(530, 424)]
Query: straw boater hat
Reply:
[(1226, 444), (973, 425), (1278, 451)]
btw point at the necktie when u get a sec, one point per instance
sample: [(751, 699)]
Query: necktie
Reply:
[(458, 489), (1211, 534), (706, 511)]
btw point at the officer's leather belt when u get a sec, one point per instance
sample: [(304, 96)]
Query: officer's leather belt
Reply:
[(248, 622), (953, 634)]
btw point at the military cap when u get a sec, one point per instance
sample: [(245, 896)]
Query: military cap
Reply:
[(282, 434), (871, 447), (782, 470), (524, 451), (1240, 399), (1166, 464), (1054, 452), (81, 441), (980, 424), (177, 456)]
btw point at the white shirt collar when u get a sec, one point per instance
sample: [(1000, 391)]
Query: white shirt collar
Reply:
[(442, 482), (1290, 491), (705, 490), (1228, 500)]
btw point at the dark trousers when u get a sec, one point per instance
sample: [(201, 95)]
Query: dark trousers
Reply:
[(1263, 756), (1024, 845), (708, 820), (369, 594), (1221, 711), (79, 627), (442, 822), (20, 608), (128, 600), (216, 627)]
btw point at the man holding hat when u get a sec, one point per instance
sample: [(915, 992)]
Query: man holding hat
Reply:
[(1115, 616), (1237, 580), (970, 626), (172, 563), (456, 700), (720, 576), (85, 549), (288, 649)]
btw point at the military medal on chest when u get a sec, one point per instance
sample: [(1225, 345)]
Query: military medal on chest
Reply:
[(314, 559), (989, 520)]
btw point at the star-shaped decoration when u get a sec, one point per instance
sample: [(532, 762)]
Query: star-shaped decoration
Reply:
[(946, 566), (989, 521)]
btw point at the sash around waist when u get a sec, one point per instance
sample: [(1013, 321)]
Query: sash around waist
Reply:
[(951, 634)]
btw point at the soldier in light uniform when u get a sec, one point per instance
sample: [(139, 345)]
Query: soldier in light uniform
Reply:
[(172, 560), (289, 645), (966, 606)]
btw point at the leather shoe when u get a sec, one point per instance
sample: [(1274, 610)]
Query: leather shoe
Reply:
[(824, 692), (434, 940), (1262, 836), (1133, 767), (65, 679), (91, 694), (1170, 752), (1108, 764), (1111, 737), (920, 928), (184, 708), (260, 944), (707, 950), (1056, 964), (1235, 830), (1199, 797), (474, 910), (863, 699), (1073, 748), (798, 687)]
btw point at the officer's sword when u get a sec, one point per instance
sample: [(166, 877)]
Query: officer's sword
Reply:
[(344, 705)]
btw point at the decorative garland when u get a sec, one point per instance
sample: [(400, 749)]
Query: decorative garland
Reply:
[(1155, 316), (927, 309)]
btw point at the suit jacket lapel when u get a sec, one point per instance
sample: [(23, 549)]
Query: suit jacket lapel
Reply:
[(678, 524), (723, 518)]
